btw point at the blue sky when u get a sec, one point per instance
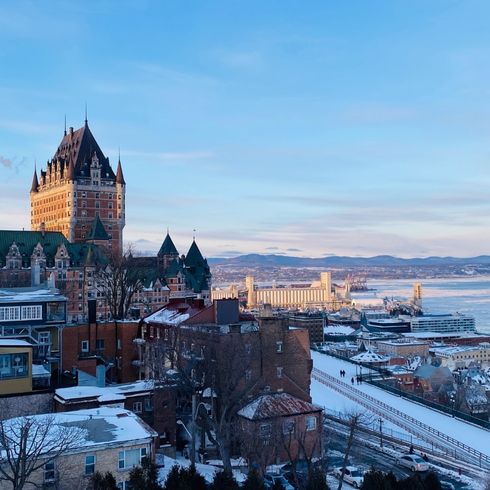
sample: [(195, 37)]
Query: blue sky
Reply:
[(305, 128)]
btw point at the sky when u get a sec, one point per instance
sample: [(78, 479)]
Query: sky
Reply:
[(299, 128)]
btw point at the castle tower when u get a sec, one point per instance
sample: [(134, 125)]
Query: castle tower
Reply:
[(77, 186)]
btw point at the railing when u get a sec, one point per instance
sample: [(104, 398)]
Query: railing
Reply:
[(368, 377), (398, 417)]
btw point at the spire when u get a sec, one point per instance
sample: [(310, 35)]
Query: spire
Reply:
[(119, 173), (168, 247), (194, 256), (86, 119), (98, 231), (65, 125), (35, 182)]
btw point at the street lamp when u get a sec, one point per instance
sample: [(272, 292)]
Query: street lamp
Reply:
[(381, 432)]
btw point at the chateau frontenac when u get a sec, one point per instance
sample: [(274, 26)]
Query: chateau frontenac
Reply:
[(77, 220)]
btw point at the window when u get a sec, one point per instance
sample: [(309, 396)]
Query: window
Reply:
[(248, 348), (279, 346), (288, 426), (9, 313), (137, 407), (148, 404), (90, 464), (248, 375), (131, 458), (99, 344), (310, 423), (265, 431), (32, 312), (97, 195), (123, 485), (84, 345), (14, 365), (49, 472), (279, 372)]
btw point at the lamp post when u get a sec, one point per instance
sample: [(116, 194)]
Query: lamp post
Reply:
[(381, 432), (360, 373)]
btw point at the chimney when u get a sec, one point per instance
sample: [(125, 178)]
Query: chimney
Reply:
[(71, 130)]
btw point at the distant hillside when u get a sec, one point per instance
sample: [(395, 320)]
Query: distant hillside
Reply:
[(258, 260)]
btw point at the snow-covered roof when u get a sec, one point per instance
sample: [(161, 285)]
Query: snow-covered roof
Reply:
[(167, 316), (338, 330), (95, 427), (39, 371), (369, 356), (276, 405), (102, 394), (29, 294), (14, 343)]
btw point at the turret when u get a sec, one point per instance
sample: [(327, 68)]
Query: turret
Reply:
[(35, 182)]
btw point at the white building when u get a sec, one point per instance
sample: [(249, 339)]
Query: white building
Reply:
[(457, 322), (460, 356)]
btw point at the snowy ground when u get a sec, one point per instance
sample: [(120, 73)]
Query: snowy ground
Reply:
[(471, 435), (206, 470)]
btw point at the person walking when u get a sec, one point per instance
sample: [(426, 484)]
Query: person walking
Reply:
[(352, 380)]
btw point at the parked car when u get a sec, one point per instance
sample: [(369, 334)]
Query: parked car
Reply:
[(412, 461), (269, 481), (352, 475)]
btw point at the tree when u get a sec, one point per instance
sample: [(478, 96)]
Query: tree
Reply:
[(432, 481), (317, 480), (354, 422), (185, 479), (32, 444), (223, 480), (103, 482), (253, 481), (144, 477), (378, 480), (214, 372), (119, 279)]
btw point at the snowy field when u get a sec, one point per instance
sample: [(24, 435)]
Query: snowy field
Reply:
[(473, 436)]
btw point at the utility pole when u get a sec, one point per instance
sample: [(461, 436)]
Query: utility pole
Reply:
[(193, 438)]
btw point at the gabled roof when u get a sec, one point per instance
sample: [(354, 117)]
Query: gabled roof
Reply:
[(168, 247), (194, 256), (98, 231), (77, 148), (274, 405)]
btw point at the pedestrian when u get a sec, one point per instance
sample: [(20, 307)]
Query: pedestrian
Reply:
[(459, 471), (352, 380), (341, 373), (425, 457), (411, 449)]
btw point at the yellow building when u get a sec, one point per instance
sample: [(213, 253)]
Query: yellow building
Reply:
[(15, 366)]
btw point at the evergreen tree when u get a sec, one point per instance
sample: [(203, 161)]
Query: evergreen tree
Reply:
[(432, 482), (173, 479), (413, 482), (253, 481), (317, 480), (102, 482), (277, 485), (185, 479), (144, 477), (378, 480), (223, 480)]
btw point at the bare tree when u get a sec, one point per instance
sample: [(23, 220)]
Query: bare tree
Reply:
[(119, 280), (354, 420), (28, 444)]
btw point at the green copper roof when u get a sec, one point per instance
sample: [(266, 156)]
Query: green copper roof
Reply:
[(27, 240), (168, 247), (98, 231), (194, 256)]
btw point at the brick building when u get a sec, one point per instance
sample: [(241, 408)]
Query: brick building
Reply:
[(77, 186)]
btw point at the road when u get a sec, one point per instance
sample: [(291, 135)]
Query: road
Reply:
[(365, 455)]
